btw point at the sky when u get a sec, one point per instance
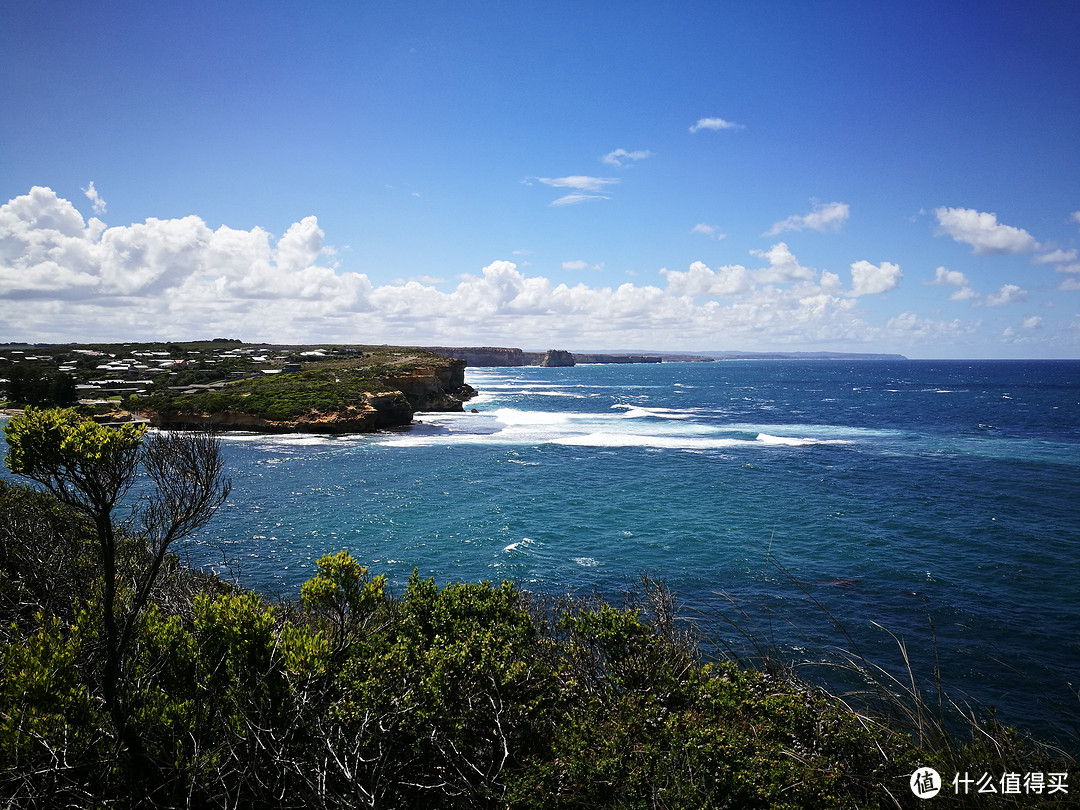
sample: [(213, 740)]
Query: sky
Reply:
[(687, 176)]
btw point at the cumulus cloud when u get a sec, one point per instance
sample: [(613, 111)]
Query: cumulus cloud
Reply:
[(714, 124), (1075, 217), (1056, 257), (705, 229), (912, 327), (699, 279), (1008, 294), (783, 266), (945, 276), (158, 269), (871, 279), (95, 199), (63, 278), (983, 232), (1034, 322), (620, 156), (827, 217)]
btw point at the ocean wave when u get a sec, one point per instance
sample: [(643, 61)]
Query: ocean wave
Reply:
[(520, 545), (794, 441), (640, 411)]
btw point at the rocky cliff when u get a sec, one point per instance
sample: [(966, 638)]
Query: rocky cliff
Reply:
[(485, 355), (557, 358), (381, 410), (435, 388), (332, 397)]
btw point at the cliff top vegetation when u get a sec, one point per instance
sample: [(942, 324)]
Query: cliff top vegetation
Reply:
[(267, 381)]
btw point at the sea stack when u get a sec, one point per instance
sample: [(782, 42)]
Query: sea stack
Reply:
[(557, 358)]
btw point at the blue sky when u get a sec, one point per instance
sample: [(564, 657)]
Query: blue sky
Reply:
[(832, 176)]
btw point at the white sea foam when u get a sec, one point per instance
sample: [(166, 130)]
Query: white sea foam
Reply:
[(640, 411), (280, 440), (520, 545), (796, 441), (648, 441)]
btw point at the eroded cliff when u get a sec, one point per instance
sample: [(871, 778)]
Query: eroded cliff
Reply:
[(359, 395)]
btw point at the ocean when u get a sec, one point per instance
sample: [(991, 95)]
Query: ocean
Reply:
[(815, 506)]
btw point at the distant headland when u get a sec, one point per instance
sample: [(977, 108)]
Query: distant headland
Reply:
[(503, 357)]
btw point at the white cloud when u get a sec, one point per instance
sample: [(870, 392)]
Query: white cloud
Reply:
[(583, 183), (700, 280), (783, 266), (911, 327), (708, 230), (714, 124), (162, 270), (827, 217), (63, 278), (871, 279), (577, 264), (1008, 294), (1075, 217), (964, 294), (1068, 268), (1056, 257), (620, 156), (1034, 322), (98, 204), (576, 199), (830, 282), (983, 232), (945, 276), (580, 182)]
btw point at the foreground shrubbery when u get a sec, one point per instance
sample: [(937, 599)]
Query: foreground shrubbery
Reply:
[(127, 680), (472, 695)]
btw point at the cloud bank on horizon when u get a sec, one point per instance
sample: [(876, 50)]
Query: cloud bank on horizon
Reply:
[(889, 178), (63, 277)]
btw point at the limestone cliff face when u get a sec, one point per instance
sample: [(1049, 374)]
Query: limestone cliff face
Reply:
[(486, 355), (436, 388), (381, 410)]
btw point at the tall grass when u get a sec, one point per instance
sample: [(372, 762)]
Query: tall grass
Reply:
[(949, 730)]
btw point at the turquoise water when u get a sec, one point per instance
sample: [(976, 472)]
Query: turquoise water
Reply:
[(937, 499)]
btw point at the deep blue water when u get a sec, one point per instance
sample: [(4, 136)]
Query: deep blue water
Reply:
[(937, 499)]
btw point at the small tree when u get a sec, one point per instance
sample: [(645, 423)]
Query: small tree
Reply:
[(344, 593), (91, 468)]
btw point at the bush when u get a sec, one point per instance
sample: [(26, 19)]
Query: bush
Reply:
[(470, 695)]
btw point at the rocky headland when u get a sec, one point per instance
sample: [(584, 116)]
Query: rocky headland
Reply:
[(492, 356), (376, 391)]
